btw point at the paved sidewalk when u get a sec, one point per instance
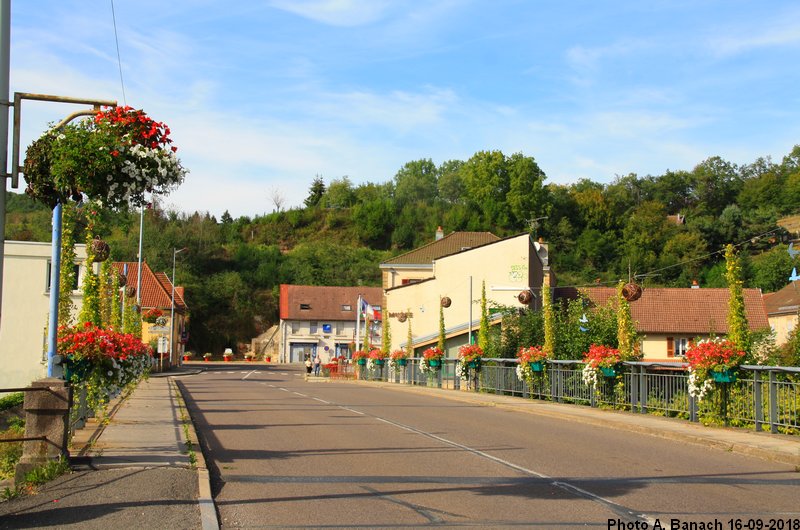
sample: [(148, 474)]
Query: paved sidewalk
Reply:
[(776, 447), (134, 472)]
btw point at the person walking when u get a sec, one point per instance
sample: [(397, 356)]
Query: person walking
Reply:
[(308, 365), (317, 363)]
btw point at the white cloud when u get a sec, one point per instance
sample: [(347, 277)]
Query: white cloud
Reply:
[(348, 13), (781, 34)]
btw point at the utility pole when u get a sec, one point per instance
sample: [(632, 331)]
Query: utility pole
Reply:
[(5, 73)]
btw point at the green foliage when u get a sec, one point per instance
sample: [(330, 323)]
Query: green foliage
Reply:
[(47, 472), (345, 229), (386, 333), (738, 330), (626, 329), (67, 280), (483, 328), (442, 335), (12, 400), (549, 323)]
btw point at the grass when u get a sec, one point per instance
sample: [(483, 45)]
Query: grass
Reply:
[(12, 400), (185, 422)]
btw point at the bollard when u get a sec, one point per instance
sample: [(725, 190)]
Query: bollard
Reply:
[(46, 416)]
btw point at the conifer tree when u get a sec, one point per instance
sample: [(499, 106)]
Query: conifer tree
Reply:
[(483, 330), (738, 330), (549, 322), (626, 330), (67, 280), (442, 336)]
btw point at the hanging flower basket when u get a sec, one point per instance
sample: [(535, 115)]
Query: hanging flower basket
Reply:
[(114, 159), (100, 250), (536, 366), (152, 315), (725, 376), (130, 291), (122, 280)]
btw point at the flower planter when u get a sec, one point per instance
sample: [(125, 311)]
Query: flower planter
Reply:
[(474, 364), (536, 366), (361, 362), (227, 359), (187, 357), (726, 376), (248, 359), (207, 359), (402, 362), (609, 371), (379, 362), (435, 363)]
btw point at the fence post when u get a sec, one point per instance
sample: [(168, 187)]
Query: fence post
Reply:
[(47, 416), (634, 387), (692, 408), (758, 405), (643, 389), (773, 403)]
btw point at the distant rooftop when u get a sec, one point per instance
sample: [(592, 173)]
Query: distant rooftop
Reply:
[(450, 244), (680, 310)]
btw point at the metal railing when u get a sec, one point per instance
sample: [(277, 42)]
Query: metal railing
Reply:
[(763, 397)]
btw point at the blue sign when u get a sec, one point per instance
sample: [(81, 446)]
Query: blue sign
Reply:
[(326, 328)]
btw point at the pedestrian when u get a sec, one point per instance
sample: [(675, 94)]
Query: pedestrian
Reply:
[(317, 362), (308, 366)]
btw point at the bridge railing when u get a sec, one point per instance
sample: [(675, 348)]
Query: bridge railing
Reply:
[(763, 397)]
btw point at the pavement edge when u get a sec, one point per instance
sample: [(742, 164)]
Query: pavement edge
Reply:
[(208, 511)]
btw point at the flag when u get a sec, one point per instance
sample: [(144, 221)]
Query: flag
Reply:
[(369, 312)]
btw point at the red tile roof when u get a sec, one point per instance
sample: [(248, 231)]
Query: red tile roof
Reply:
[(324, 302), (156, 287), (449, 244), (680, 310), (784, 302)]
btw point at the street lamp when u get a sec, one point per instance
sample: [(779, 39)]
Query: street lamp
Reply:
[(175, 252)]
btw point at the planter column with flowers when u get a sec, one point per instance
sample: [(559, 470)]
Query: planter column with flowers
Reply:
[(431, 364), (113, 159), (469, 361)]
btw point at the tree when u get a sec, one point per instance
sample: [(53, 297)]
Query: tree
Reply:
[(526, 192), (277, 198), (549, 322), (340, 194), (315, 193), (770, 269), (738, 330), (451, 182), (416, 181), (442, 332), (626, 330), (487, 184), (483, 329), (386, 332)]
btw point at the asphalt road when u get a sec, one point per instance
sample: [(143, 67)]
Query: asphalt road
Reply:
[(286, 453)]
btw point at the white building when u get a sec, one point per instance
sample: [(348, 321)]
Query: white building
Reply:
[(26, 309), (321, 320)]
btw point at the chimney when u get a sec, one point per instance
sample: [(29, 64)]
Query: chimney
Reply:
[(439, 233), (695, 285)]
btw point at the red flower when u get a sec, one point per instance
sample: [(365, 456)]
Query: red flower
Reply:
[(433, 353), (470, 352), (602, 356)]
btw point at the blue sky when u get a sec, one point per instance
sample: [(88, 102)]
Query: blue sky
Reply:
[(262, 96)]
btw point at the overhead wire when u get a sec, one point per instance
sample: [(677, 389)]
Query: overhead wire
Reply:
[(119, 59)]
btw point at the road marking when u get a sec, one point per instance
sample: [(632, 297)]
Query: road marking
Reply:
[(322, 401), (271, 386), (618, 509), (353, 411), (284, 389), (251, 372), (230, 372), (284, 373), (299, 394)]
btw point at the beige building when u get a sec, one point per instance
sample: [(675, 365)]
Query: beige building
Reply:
[(782, 310), (512, 270), (26, 309)]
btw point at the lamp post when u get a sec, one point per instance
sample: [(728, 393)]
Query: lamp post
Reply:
[(175, 252)]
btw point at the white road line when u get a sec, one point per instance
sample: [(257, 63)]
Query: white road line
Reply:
[(353, 411), (284, 389), (299, 394), (284, 373), (614, 507), (251, 372), (322, 401), (271, 386), (230, 372)]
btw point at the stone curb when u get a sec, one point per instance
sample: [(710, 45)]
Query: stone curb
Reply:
[(605, 419), (208, 511)]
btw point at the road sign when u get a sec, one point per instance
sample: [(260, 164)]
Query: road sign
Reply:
[(158, 329)]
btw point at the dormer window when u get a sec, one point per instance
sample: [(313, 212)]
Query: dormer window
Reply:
[(305, 307)]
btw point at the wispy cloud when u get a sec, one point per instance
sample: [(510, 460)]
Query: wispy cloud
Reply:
[(348, 13), (783, 33)]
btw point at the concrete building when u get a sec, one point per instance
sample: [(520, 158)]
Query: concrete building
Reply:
[(26, 310), (321, 320), (513, 270)]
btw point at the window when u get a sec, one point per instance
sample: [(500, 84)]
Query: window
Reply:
[(295, 328), (75, 279), (681, 345), (305, 307), (407, 281), (314, 327), (676, 347), (347, 307)]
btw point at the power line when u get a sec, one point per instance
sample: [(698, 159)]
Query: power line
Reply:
[(119, 60)]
